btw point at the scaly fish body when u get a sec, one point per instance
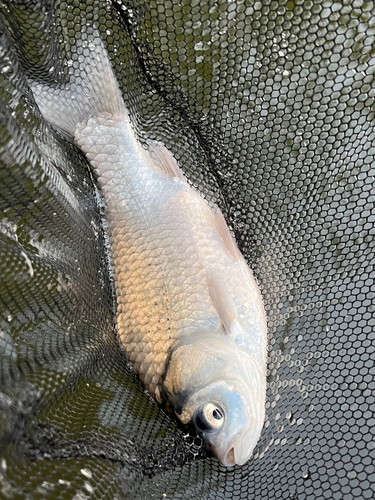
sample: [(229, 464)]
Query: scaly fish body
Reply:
[(189, 313)]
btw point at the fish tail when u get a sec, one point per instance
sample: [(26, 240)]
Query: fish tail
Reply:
[(92, 89)]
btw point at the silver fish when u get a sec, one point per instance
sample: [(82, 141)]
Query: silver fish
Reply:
[(190, 316)]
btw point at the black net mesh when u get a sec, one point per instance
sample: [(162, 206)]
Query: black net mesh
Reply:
[(269, 109)]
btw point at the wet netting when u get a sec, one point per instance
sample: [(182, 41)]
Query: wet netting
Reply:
[(269, 109)]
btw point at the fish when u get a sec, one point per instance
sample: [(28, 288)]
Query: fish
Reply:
[(190, 316)]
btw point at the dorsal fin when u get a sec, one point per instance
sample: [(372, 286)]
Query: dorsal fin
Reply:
[(161, 159), (226, 236), (222, 304)]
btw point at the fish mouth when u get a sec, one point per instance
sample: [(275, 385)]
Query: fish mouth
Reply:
[(226, 458), (230, 458), (235, 453)]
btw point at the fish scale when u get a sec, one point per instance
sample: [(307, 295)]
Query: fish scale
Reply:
[(142, 310), (189, 313)]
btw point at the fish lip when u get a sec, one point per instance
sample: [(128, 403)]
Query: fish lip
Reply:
[(227, 458), (238, 450), (230, 457)]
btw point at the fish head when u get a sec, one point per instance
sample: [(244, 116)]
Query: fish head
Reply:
[(227, 421), (221, 394)]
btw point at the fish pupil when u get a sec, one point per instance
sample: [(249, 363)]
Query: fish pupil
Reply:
[(217, 414)]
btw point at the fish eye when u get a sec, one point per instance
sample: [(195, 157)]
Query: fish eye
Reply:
[(209, 417)]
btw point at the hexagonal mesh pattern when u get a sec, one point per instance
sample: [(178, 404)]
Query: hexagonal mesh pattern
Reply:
[(269, 109)]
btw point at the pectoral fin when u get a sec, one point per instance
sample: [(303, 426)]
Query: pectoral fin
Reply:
[(228, 240), (223, 305)]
